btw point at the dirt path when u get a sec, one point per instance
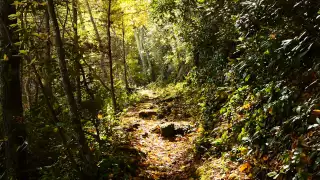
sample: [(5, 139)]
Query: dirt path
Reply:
[(169, 157)]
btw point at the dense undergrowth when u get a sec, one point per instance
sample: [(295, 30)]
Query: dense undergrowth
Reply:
[(256, 81), (270, 130), (253, 133), (113, 155)]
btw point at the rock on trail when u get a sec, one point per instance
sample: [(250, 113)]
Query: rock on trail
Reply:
[(160, 129)]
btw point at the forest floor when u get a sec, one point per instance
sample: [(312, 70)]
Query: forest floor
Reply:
[(161, 129)]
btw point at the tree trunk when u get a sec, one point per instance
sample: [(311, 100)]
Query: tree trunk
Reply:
[(47, 57), (65, 21), (76, 54), (98, 37), (96, 76), (28, 92), (85, 152), (55, 121), (124, 58), (147, 65), (94, 119), (152, 73), (12, 111), (113, 97), (79, 68), (140, 49), (86, 85), (196, 56)]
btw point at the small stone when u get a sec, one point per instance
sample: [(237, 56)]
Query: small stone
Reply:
[(156, 129), (147, 113), (183, 129), (168, 130), (136, 126), (132, 127), (160, 116), (145, 135)]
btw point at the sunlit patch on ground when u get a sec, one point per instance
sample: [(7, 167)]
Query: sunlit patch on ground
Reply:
[(221, 169), (164, 158)]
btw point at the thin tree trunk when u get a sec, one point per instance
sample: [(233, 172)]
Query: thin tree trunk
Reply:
[(28, 92), (113, 97), (47, 56), (12, 111), (76, 49), (79, 67), (55, 120), (36, 95), (152, 73), (94, 24), (96, 76), (93, 116), (65, 21), (140, 49), (88, 90), (196, 57), (124, 58), (85, 152), (98, 37)]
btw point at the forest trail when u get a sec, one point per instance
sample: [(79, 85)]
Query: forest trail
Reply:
[(161, 129)]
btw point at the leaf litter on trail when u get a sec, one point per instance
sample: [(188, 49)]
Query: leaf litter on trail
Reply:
[(164, 157)]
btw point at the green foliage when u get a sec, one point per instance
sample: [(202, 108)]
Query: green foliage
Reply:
[(258, 72)]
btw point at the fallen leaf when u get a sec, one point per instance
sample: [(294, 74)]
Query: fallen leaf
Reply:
[(265, 157), (244, 167)]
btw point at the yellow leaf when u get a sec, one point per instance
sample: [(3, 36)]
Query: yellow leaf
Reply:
[(244, 167), (243, 150), (200, 129), (246, 106), (100, 116), (5, 57)]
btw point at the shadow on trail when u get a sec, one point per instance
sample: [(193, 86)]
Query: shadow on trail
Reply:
[(161, 156), (121, 164)]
